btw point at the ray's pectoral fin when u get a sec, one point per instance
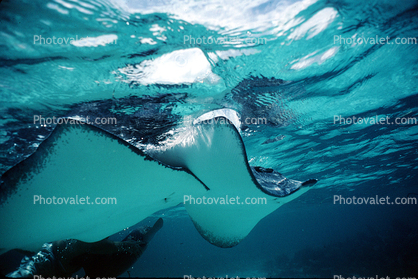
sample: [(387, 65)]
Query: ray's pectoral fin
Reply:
[(150, 234), (239, 196), (275, 184), (87, 184), (209, 171), (310, 182)]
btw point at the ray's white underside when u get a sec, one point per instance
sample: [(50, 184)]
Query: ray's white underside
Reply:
[(83, 160)]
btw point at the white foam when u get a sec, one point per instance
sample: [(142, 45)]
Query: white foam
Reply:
[(225, 16), (315, 25), (184, 66), (95, 41)]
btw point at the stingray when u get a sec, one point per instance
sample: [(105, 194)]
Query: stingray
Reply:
[(86, 183)]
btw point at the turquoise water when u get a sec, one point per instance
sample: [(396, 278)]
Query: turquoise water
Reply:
[(297, 64)]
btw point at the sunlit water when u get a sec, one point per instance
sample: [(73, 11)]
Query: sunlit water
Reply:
[(299, 65)]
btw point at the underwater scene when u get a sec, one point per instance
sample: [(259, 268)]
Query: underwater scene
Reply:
[(209, 139)]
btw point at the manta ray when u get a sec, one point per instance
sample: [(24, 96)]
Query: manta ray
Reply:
[(77, 160)]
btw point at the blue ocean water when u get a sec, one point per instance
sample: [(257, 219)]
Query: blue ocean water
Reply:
[(309, 69)]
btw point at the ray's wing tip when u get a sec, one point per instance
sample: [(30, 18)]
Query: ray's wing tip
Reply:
[(309, 182)]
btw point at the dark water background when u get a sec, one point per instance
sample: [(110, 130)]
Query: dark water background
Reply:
[(296, 76)]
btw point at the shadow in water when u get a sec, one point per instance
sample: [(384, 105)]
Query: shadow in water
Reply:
[(391, 253)]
